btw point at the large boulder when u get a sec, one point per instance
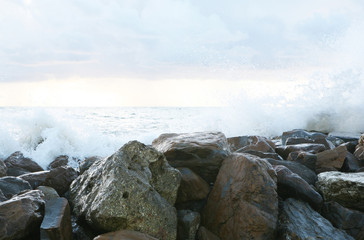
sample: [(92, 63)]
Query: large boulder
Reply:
[(133, 189), (124, 235), (344, 188), (260, 154), (3, 168), (321, 140), (204, 234), (304, 158), (351, 221), (331, 160), (17, 165), (202, 152), (299, 221), (314, 148), (252, 143), (59, 178), (11, 186), (243, 203), (351, 163), (58, 161), (301, 134), (87, 162), (21, 216)]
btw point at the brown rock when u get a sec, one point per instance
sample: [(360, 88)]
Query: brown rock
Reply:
[(243, 203), (17, 165), (204, 234), (253, 143), (192, 187), (314, 148), (59, 161), (307, 159), (124, 235), (318, 140), (202, 152), (331, 160)]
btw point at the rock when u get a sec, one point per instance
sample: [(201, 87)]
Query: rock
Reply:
[(290, 185), (351, 146), (11, 186), (59, 178), (3, 168), (314, 148), (261, 154), (124, 234), (192, 187), (81, 231), (133, 189), (21, 216), (305, 173), (351, 221), (304, 158), (253, 143), (205, 234), (58, 162), (57, 220), (86, 164), (17, 165), (2, 196), (345, 136), (351, 163), (300, 133), (202, 152), (243, 203), (359, 153), (318, 140), (300, 222), (331, 160), (49, 192), (344, 188), (188, 224)]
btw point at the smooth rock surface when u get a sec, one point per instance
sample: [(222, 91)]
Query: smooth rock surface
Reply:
[(314, 148), (17, 165), (243, 203), (345, 188), (133, 189), (301, 133), (202, 152), (351, 163), (192, 187), (331, 160), (188, 224), (299, 221), (49, 192), (11, 186), (124, 235)]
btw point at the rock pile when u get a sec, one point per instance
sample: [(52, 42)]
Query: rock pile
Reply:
[(192, 186)]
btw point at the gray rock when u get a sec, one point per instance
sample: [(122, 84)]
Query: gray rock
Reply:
[(261, 154), (56, 223), (59, 161), (3, 168), (86, 164), (49, 192), (133, 189), (345, 136), (251, 143), (17, 165), (344, 188), (124, 235), (202, 152), (300, 222), (2, 196), (11, 186), (300, 133), (205, 234), (304, 158), (188, 224), (314, 148), (21, 216), (351, 163)]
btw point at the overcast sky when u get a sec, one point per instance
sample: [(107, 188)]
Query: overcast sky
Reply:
[(102, 49)]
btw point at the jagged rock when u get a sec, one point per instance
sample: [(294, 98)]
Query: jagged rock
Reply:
[(299, 221), (133, 189), (59, 178), (344, 188), (56, 223), (17, 165), (204, 234), (192, 187), (307, 159), (351, 221), (3, 168), (202, 152), (86, 164), (82, 231), (260, 154), (243, 203), (188, 224), (49, 192), (11, 186), (58, 162), (300, 133), (21, 216), (251, 143), (318, 140), (291, 185), (351, 163), (359, 153), (305, 173), (314, 148), (124, 235), (331, 160)]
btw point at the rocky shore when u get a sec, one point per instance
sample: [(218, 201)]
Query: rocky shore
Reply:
[(300, 185)]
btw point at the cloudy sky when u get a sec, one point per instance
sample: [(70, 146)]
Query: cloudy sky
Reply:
[(170, 52)]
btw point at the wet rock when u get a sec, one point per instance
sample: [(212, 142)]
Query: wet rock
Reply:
[(305, 173), (261, 154), (301, 134), (81, 231), (318, 140), (251, 143), (192, 187), (331, 160), (59, 178), (58, 162), (133, 189), (11, 186), (202, 152), (21, 216), (351, 221), (304, 158), (351, 163), (17, 165), (204, 234), (86, 164), (49, 192), (344, 188), (359, 154), (2, 196), (299, 221), (351, 146), (290, 185), (188, 224), (314, 148), (3, 168), (243, 203), (124, 234), (345, 136)]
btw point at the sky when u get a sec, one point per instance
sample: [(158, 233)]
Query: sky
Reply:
[(172, 52)]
